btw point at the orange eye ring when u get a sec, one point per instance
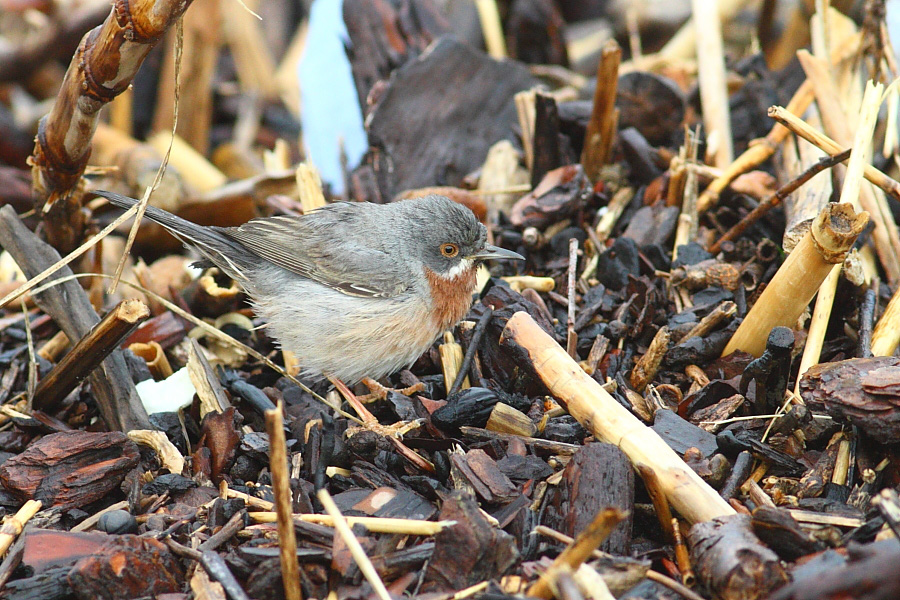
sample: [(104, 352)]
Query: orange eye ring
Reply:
[(449, 250)]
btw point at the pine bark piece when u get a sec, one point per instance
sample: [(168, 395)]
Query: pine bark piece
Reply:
[(864, 391), (384, 38), (70, 308), (103, 67), (470, 551), (125, 567), (871, 574), (598, 476), (468, 98), (609, 421), (89, 352), (732, 562), (70, 469)]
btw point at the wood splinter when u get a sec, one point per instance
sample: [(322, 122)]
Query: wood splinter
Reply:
[(89, 352)]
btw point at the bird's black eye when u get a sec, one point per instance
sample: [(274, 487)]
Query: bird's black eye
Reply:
[(449, 250)]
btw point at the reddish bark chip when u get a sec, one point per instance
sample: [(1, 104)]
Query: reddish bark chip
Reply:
[(71, 468), (127, 566)]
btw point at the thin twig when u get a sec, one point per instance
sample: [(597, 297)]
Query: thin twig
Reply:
[(477, 334), (356, 550), (773, 200)]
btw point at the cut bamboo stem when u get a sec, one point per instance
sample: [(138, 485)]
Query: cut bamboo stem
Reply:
[(107, 60), (281, 486), (603, 416), (89, 352), (356, 550), (798, 279), (682, 45), (451, 354), (578, 551), (713, 88), (600, 130)]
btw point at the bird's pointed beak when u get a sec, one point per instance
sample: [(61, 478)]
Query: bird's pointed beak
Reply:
[(490, 252)]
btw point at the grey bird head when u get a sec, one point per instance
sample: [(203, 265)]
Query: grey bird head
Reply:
[(451, 237)]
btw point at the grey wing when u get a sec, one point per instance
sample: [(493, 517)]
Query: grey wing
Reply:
[(324, 246)]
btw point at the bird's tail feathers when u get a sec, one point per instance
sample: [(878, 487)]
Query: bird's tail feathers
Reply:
[(220, 249)]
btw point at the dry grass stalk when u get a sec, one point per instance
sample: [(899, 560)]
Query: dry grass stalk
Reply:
[(686, 230), (682, 45), (853, 180), (682, 557), (138, 165), (724, 311), (571, 334), (14, 525), (713, 88), (252, 58), (506, 419), (660, 504), (798, 279), (373, 524), (578, 551), (525, 111), (614, 209), (89, 352), (600, 130), (356, 550), (309, 185), (650, 574), (885, 236), (886, 336), (763, 149), (802, 205), (281, 487), (54, 347), (602, 415), (491, 28), (202, 42), (92, 520)]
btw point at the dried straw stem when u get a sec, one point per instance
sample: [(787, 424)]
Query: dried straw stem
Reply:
[(826, 243), (602, 415), (713, 88), (578, 551), (281, 486)]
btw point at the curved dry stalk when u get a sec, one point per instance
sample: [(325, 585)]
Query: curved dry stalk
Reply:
[(103, 67)]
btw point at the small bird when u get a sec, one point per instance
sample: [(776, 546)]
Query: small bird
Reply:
[(355, 290)]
